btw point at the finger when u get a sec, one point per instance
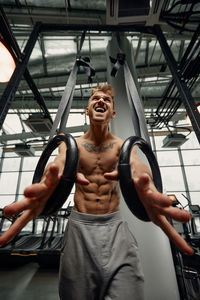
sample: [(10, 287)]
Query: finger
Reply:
[(143, 187), (16, 207), (112, 175), (80, 178), (52, 178), (159, 199), (15, 228), (177, 214), (35, 190), (33, 194), (48, 183), (142, 182), (175, 237)]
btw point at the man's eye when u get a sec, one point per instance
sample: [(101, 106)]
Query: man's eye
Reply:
[(107, 100)]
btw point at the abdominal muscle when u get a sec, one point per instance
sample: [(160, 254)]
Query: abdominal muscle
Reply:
[(98, 197)]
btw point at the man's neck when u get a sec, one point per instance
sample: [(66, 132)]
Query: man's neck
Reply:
[(98, 134)]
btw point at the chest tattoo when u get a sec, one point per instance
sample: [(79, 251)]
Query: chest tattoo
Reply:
[(92, 148)]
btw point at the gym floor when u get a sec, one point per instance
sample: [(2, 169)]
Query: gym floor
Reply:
[(29, 281)]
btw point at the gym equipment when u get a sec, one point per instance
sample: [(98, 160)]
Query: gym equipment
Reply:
[(141, 139), (68, 178), (66, 183), (125, 178), (63, 190)]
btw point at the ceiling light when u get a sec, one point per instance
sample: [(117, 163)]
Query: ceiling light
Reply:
[(7, 62)]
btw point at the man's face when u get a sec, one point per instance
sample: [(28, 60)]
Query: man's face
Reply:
[(100, 107)]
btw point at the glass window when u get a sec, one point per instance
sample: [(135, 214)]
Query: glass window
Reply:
[(30, 163), (11, 155), (26, 180), (19, 197), (193, 177), (172, 179), (76, 119), (192, 142), (8, 183), (159, 142), (168, 158), (6, 200), (195, 197), (11, 164), (189, 159)]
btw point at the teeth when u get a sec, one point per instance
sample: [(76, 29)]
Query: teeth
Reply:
[(99, 109)]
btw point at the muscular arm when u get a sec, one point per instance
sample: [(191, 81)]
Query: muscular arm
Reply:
[(157, 205), (35, 197)]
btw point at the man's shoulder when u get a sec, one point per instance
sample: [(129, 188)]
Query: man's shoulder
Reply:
[(117, 140), (79, 139)]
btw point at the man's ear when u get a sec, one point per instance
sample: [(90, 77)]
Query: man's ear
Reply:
[(113, 114), (86, 111)]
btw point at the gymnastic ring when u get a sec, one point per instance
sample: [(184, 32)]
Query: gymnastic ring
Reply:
[(125, 179), (62, 191)]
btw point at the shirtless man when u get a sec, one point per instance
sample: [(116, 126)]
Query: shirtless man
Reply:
[(99, 258)]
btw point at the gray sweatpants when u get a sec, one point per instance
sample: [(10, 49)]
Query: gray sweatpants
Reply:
[(99, 260)]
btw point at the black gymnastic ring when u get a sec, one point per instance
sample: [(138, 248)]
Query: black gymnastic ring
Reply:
[(62, 191), (125, 179)]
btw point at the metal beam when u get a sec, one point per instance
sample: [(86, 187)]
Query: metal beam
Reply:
[(59, 80), (51, 103), (82, 129), (12, 86), (78, 103), (32, 135), (184, 92), (11, 41), (95, 27)]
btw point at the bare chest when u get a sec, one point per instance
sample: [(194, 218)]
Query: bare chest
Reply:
[(97, 160)]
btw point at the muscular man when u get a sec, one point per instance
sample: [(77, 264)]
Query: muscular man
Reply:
[(99, 258)]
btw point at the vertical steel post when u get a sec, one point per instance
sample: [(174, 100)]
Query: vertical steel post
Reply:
[(187, 191), (19, 179), (13, 84), (184, 92)]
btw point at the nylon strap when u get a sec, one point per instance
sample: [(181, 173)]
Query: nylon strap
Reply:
[(67, 97), (136, 107)]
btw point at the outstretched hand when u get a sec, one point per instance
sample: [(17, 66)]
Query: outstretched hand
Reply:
[(159, 207), (33, 203)]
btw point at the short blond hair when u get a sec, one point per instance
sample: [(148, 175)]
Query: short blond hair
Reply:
[(106, 88)]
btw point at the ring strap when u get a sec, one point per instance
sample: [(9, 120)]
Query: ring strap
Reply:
[(68, 177), (125, 178)]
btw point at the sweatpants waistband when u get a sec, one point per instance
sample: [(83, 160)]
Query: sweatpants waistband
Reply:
[(97, 219)]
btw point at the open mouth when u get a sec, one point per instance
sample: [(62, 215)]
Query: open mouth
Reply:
[(100, 109)]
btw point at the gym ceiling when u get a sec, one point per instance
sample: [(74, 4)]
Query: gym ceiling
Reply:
[(55, 51)]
